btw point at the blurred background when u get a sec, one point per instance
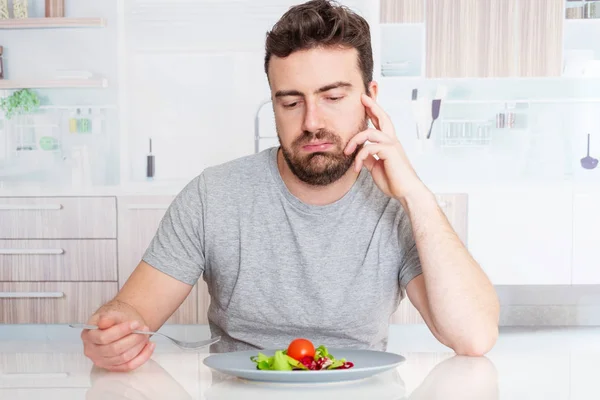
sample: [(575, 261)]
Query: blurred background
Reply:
[(110, 107)]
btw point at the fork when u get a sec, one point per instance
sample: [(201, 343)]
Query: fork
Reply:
[(179, 343)]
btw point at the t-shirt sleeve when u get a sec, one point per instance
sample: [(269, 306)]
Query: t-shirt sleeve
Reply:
[(411, 263), (177, 248)]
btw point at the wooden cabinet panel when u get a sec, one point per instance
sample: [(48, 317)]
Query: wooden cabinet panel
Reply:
[(139, 218), (489, 38), (58, 218), (586, 238), (470, 38), (52, 302), (402, 11), (455, 208), (540, 38), (58, 260)]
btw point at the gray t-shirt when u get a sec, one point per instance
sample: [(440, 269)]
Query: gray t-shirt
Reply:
[(278, 268)]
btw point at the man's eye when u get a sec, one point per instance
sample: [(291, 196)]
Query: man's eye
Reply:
[(291, 105), (334, 98)]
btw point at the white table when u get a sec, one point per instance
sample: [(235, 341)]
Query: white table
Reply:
[(526, 363)]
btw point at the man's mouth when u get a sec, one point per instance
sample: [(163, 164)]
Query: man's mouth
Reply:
[(317, 146)]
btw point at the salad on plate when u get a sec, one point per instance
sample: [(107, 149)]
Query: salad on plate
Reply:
[(300, 355)]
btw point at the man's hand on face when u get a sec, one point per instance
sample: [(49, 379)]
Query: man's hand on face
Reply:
[(391, 171)]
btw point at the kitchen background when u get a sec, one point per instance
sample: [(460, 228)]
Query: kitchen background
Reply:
[(518, 80)]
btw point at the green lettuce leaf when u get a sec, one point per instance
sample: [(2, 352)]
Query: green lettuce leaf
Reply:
[(262, 361), (337, 363), (321, 351), (281, 362)]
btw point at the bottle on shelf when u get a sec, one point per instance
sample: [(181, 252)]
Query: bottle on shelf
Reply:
[(500, 120), (73, 122), (55, 8), (83, 123), (591, 9), (510, 115), (89, 121)]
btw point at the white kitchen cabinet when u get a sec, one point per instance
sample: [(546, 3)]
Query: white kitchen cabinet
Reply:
[(586, 238), (522, 236), (139, 218)]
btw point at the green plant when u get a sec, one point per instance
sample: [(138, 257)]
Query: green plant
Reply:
[(20, 102)]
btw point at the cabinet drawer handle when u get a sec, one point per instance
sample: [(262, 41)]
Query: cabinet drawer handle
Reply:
[(15, 252), (30, 295), (147, 206), (30, 207)]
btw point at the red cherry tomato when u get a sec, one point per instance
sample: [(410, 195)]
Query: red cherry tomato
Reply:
[(300, 348)]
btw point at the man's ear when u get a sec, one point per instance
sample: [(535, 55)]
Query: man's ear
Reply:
[(373, 90)]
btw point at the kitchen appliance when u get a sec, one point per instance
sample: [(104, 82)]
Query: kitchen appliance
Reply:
[(415, 108), (588, 162), (150, 163)]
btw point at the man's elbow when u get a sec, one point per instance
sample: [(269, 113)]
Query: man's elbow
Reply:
[(479, 343)]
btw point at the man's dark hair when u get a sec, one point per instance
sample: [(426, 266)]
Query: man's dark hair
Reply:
[(321, 23)]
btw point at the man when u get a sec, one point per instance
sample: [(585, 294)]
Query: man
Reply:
[(320, 237)]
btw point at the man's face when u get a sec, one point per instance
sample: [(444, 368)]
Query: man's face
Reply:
[(316, 100)]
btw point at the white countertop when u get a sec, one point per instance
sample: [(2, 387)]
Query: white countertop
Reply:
[(526, 363)]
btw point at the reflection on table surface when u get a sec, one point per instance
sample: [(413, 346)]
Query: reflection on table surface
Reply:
[(184, 376)]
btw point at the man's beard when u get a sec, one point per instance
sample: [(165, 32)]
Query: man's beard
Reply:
[(320, 168)]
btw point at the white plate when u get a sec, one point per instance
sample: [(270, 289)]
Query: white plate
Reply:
[(366, 364)]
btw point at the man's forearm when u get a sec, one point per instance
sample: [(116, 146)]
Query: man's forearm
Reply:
[(462, 301)]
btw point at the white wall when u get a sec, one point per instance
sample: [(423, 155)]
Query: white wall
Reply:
[(194, 79)]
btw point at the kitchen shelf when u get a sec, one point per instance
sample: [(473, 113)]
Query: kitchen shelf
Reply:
[(582, 21), (41, 23), (56, 83)]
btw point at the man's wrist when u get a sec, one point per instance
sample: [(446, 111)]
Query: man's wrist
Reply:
[(418, 197)]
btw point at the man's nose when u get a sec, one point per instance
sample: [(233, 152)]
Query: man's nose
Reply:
[(313, 119)]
